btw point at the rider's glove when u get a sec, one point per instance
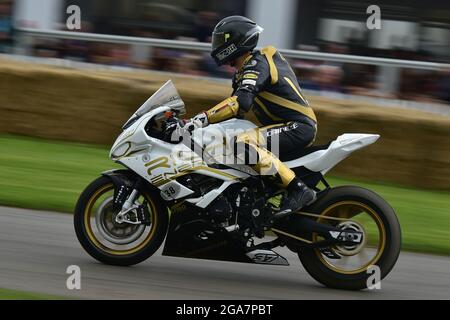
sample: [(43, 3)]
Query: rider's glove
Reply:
[(199, 121), (172, 130)]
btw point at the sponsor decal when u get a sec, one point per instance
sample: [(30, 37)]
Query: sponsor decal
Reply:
[(170, 192), (251, 71), (249, 82), (251, 63), (250, 76), (227, 51), (272, 132), (157, 163), (264, 258)]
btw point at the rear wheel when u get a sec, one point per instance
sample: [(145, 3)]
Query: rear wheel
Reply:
[(117, 243), (347, 267)]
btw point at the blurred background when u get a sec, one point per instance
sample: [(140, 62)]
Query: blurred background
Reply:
[(412, 30), (64, 99)]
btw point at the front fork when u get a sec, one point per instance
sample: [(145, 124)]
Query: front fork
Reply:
[(130, 205)]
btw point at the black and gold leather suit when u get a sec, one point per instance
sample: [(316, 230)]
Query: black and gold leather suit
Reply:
[(267, 85)]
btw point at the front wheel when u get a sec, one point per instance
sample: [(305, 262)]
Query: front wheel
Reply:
[(115, 243), (349, 267)]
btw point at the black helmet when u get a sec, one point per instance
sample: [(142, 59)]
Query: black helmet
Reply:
[(232, 37)]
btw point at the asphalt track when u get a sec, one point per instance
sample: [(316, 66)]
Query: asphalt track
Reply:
[(36, 248)]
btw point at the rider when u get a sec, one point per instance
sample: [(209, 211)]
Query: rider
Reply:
[(265, 83)]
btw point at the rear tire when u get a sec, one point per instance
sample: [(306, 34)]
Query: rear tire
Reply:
[(326, 274), (93, 245)]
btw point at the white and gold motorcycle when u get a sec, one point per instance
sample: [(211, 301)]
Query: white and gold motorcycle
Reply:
[(204, 208)]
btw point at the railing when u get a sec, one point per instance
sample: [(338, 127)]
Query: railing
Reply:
[(199, 46), (388, 73)]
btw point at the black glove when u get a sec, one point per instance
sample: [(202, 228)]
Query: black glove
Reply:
[(199, 121), (172, 130)]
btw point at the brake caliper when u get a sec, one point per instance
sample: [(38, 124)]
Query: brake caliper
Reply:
[(143, 214)]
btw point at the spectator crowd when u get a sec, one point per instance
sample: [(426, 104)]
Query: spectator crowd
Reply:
[(417, 85)]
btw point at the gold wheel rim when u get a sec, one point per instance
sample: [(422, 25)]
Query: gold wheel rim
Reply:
[(93, 238), (381, 233)]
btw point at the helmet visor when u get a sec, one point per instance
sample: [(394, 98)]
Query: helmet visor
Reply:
[(219, 39)]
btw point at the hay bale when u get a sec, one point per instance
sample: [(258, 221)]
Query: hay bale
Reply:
[(91, 106)]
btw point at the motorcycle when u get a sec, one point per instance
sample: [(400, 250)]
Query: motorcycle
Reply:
[(177, 192)]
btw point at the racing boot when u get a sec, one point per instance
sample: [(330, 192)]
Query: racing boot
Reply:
[(298, 196)]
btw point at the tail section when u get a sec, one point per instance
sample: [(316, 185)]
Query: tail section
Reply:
[(324, 160)]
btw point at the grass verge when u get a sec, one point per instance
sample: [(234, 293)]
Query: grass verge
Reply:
[(7, 294)]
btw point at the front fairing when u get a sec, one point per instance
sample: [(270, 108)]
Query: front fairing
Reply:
[(167, 96), (165, 99)]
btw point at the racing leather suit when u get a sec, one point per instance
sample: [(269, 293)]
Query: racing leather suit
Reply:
[(267, 85)]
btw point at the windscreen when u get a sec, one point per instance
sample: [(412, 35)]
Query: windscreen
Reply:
[(167, 95)]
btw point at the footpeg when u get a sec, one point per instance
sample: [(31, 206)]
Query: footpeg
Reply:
[(205, 234), (282, 214), (232, 228)]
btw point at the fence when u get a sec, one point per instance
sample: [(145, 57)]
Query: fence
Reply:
[(199, 46), (388, 77)]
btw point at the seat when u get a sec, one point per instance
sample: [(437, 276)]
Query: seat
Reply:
[(295, 154)]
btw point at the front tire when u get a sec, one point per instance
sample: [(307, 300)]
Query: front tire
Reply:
[(344, 202), (113, 248)]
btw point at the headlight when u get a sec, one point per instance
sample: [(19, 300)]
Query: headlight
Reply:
[(121, 150)]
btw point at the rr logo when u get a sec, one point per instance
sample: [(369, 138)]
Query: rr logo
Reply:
[(157, 163)]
